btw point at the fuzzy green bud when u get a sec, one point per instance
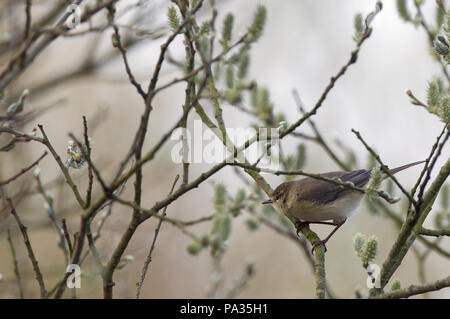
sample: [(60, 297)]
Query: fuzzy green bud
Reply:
[(220, 232), (227, 28), (233, 96), (434, 92), (244, 62), (402, 10), (301, 156), (239, 202), (443, 110), (205, 27), (174, 20), (205, 241), (370, 250), (252, 224), (440, 47), (194, 248), (376, 177), (194, 3), (220, 195), (358, 243), (396, 285), (229, 77), (359, 27), (221, 227), (259, 19)]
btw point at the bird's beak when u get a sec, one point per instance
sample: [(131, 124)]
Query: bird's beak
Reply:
[(269, 201)]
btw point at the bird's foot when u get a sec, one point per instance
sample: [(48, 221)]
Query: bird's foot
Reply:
[(317, 243), (299, 225)]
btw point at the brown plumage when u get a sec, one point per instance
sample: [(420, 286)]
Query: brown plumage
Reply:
[(314, 201)]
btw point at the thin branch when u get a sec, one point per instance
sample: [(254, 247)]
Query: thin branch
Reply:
[(67, 236), (88, 156), (416, 290), (16, 266), (117, 42), (352, 60), (63, 168), (28, 19), (31, 254), (430, 167), (17, 64), (336, 182), (318, 137), (23, 170), (435, 232), (149, 256), (383, 167), (428, 161)]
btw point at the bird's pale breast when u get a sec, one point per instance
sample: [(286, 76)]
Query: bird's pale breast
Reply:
[(337, 210)]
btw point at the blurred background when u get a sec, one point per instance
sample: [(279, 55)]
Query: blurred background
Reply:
[(303, 45)]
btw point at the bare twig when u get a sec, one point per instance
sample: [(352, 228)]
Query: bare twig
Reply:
[(23, 170), (318, 137), (16, 266), (87, 144), (67, 237), (152, 247), (31, 254), (383, 167), (28, 19), (117, 41)]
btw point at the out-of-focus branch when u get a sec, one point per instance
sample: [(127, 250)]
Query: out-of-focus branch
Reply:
[(27, 54), (383, 167), (152, 247), (23, 170), (318, 138), (31, 255), (16, 266)]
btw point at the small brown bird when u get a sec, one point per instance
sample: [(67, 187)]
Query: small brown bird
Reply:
[(313, 201)]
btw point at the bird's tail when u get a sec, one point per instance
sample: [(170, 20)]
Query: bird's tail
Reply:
[(401, 168)]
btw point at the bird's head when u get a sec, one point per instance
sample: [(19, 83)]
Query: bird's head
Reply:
[(279, 196)]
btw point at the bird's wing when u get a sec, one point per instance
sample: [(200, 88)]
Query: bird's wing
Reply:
[(324, 192)]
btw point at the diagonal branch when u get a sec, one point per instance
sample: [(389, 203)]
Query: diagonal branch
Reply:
[(23, 170), (383, 167), (31, 255), (149, 256)]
